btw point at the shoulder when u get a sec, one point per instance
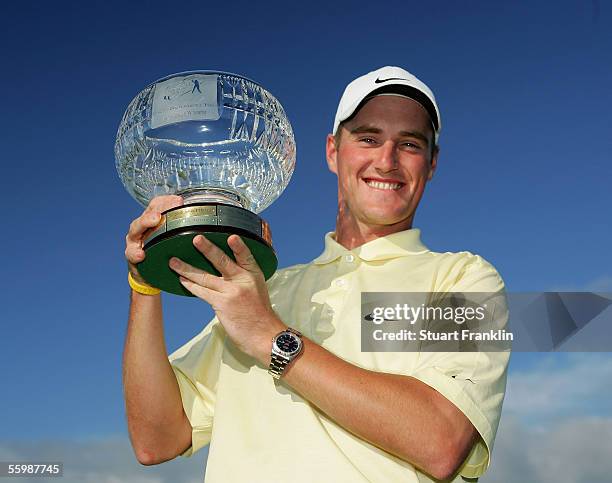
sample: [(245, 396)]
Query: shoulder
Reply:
[(464, 260), (466, 271)]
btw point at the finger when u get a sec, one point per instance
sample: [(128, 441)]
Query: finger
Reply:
[(243, 255), (134, 254), (159, 204), (197, 276), (151, 216), (147, 221), (204, 293), (140, 225), (133, 247), (217, 257)]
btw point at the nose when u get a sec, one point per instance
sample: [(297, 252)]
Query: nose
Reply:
[(387, 157)]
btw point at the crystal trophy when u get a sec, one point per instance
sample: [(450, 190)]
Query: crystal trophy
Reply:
[(223, 143)]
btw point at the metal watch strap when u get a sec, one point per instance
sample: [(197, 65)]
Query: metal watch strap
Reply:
[(278, 363), (277, 366)]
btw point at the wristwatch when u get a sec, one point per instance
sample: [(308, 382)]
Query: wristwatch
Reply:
[(286, 346)]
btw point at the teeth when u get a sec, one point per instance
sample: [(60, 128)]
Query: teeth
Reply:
[(383, 186)]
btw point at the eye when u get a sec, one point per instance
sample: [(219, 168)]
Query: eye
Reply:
[(367, 140), (412, 146)]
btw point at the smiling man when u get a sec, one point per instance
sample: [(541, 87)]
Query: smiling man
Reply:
[(277, 383), (383, 155)]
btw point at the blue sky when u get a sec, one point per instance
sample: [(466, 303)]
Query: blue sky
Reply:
[(523, 177)]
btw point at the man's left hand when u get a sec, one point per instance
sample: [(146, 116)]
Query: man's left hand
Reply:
[(239, 297)]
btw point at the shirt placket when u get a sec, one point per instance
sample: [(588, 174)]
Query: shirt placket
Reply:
[(335, 297)]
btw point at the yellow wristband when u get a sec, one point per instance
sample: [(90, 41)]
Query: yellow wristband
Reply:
[(141, 287)]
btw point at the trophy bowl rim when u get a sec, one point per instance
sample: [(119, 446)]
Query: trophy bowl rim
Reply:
[(205, 71)]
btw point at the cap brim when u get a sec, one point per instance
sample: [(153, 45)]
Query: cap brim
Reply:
[(404, 90)]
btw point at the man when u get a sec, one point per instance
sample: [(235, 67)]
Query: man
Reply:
[(331, 413)]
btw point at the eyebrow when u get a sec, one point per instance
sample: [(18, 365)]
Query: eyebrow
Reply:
[(374, 130)]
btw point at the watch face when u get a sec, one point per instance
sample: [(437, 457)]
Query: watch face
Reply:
[(287, 343)]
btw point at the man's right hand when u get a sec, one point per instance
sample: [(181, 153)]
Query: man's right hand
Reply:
[(149, 219)]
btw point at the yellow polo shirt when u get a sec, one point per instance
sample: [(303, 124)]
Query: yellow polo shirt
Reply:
[(260, 431)]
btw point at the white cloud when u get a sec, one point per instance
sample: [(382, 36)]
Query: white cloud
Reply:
[(556, 423), (577, 386), (602, 283), (572, 451), (104, 461)]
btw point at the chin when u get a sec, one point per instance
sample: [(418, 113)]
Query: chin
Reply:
[(385, 220)]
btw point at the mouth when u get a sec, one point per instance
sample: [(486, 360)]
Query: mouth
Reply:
[(383, 185)]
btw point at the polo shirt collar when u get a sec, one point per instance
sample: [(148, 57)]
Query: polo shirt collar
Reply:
[(402, 243)]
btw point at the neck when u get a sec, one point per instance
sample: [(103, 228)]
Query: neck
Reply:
[(352, 233)]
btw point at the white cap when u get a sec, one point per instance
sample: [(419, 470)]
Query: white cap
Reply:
[(387, 80)]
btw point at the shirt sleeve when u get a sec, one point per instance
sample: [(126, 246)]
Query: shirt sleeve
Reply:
[(196, 367), (474, 381)]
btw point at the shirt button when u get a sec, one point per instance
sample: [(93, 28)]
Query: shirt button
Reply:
[(340, 282), (349, 258)]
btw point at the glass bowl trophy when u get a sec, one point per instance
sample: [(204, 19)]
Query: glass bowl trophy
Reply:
[(225, 145)]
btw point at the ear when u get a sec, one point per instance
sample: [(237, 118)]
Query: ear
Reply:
[(331, 153), (434, 163)]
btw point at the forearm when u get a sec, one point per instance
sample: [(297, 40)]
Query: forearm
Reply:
[(397, 413), (156, 422)]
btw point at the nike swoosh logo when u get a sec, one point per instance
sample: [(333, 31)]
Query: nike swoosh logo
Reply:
[(370, 318), (380, 81)]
